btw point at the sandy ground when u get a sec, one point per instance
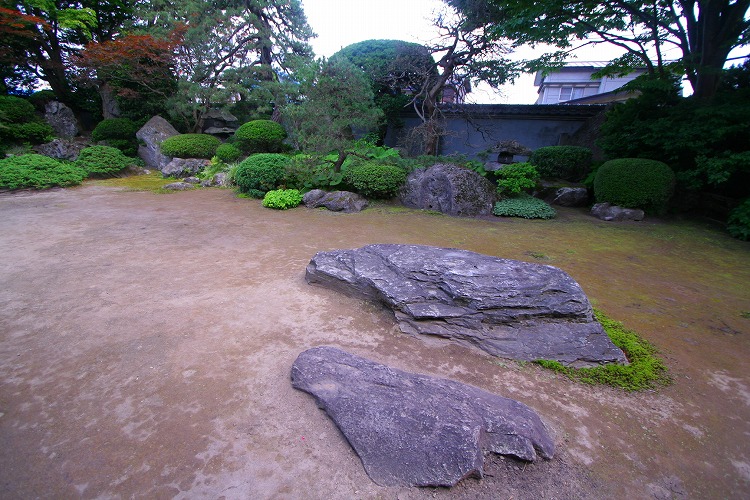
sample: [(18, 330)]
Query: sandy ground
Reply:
[(146, 342)]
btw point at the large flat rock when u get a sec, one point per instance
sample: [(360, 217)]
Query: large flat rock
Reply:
[(417, 430), (508, 308)]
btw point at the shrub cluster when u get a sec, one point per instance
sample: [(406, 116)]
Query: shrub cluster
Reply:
[(282, 199), (190, 146), (228, 153), (38, 172), (635, 183), (570, 163), (260, 173), (514, 178), (118, 133), (524, 206), (738, 223), (102, 161), (260, 136), (376, 181), (20, 124)]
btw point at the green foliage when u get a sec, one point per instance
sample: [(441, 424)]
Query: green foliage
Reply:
[(524, 206), (635, 183), (103, 161), (376, 181), (118, 133), (261, 173), (190, 146), (514, 178), (313, 172), (228, 153), (37, 132), (645, 370), (282, 199), (570, 163), (38, 172), (738, 223), (15, 109), (260, 136), (40, 99)]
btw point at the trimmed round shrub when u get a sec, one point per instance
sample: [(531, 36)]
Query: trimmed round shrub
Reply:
[(38, 172), (514, 178), (118, 133), (376, 181), (570, 163), (282, 199), (738, 223), (524, 206), (228, 153), (15, 110), (260, 136), (261, 173), (102, 161), (190, 146), (635, 183)]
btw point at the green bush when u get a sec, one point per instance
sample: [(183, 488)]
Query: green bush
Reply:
[(570, 163), (190, 146), (261, 173), (260, 136), (228, 153), (514, 178), (15, 110), (738, 223), (525, 206), (376, 181), (38, 172), (118, 133), (40, 98), (102, 161), (37, 132), (635, 183), (282, 199)]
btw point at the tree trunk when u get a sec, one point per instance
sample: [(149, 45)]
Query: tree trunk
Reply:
[(342, 158), (110, 107)]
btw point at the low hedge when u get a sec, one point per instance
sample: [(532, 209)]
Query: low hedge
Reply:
[(103, 161), (524, 206), (635, 183), (260, 136), (190, 146), (571, 163), (260, 173), (38, 172), (376, 181)]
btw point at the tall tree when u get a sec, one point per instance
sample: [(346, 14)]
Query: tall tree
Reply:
[(704, 31)]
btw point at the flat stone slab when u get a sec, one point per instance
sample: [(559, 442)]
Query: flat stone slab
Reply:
[(508, 308), (417, 430)]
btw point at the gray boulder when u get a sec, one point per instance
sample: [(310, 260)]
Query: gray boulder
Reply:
[(336, 201), (179, 186), (508, 308), (449, 189), (179, 167), (61, 119), (61, 149), (608, 212), (220, 179), (416, 430), (152, 134), (571, 197)]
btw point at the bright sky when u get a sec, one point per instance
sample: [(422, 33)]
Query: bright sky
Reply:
[(339, 23)]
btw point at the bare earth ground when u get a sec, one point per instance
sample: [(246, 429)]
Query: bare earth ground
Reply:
[(146, 342)]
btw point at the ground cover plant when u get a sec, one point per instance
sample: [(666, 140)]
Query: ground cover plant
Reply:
[(645, 371), (38, 172), (103, 161), (282, 199), (524, 206)]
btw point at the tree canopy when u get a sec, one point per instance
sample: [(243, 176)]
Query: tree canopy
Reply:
[(703, 31)]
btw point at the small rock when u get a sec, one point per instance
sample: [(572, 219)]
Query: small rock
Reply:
[(179, 186), (449, 189), (571, 197), (608, 212), (61, 119), (178, 167), (61, 149), (336, 201), (191, 180), (417, 430)]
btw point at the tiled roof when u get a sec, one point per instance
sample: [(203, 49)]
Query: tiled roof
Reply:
[(529, 110)]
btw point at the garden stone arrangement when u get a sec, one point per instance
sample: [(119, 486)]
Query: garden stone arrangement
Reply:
[(416, 430), (510, 309)]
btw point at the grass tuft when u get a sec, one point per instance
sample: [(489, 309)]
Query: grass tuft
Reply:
[(645, 371)]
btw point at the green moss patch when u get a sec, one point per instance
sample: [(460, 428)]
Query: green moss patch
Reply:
[(645, 371), (153, 182)]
